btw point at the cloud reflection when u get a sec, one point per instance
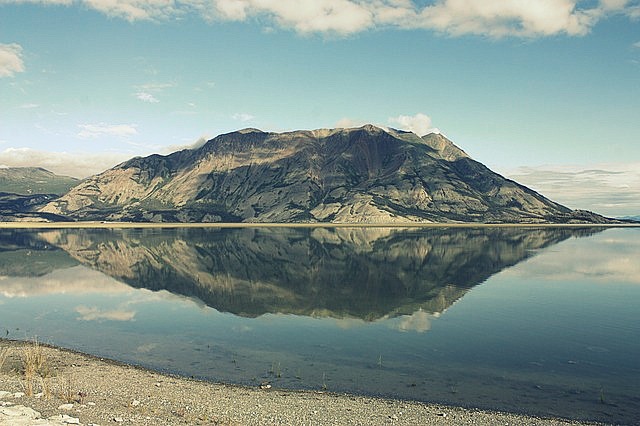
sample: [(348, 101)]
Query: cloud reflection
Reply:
[(94, 313), (76, 280), (146, 348), (615, 261), (419, 321)]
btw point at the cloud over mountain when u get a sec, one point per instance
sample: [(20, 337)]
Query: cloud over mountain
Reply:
[(80, 164), (420, 124)]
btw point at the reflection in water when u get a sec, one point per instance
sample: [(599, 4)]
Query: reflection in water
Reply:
[(23, 255), (95, 314), (355, 310), (361, 273)]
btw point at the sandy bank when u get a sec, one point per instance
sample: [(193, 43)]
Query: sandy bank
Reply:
[(81, 389)]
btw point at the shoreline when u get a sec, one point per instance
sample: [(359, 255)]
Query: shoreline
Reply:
[(83, 389), (168, 225)]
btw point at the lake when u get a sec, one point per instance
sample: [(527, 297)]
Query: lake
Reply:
[(543, 321)]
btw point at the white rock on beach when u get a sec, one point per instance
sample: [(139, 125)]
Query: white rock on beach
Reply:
[(65, 420), (18, 415)]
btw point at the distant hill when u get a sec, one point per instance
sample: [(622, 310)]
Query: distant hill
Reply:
[(34, 180), (630, 218), (358, 175), (24, 190)]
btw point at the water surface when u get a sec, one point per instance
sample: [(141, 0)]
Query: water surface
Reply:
[(542, 321)]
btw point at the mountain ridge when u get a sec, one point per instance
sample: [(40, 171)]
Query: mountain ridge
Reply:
[(357, 175), (34, 180)]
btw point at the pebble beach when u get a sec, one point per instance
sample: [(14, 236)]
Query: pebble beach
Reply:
[(75, 388)]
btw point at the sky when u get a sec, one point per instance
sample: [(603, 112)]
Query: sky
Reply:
[(546, 92)]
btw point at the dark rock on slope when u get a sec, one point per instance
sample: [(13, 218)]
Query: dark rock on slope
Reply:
[(15, 207)]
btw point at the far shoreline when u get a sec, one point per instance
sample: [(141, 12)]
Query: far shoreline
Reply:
[(169, 225)]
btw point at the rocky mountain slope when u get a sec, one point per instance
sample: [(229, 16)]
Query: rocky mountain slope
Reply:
[(363, 175)]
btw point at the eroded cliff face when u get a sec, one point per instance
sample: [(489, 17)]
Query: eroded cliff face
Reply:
[(362, 175), (342, 273)]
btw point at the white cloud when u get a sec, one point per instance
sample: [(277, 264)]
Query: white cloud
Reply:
[(43, 2), (89, 131), (10, 60), (608, 189), (347, 123), (135, 10), (78, 164), (613, 4), (29, 106), (420, 124), (499, 18), (304, 16), (146, 97), (637, 44), (192, 145), (154, 87), (242, 117), (493, 18)]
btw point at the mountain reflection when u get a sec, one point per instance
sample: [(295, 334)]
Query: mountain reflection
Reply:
[(342, 272), (22, 254)]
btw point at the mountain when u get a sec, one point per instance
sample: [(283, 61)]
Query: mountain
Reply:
[(366, 273), (24, 190), (359, 175), (34, 180)]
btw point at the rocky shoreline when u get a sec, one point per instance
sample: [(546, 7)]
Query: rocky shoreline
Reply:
[(75, 388)]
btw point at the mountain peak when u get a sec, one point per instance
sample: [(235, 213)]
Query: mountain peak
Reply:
[(370, 128), (249, 130)]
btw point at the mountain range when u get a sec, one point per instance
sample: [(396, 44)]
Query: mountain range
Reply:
[(357, 175)]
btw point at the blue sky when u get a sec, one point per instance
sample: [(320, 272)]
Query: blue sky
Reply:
[(547, 92)]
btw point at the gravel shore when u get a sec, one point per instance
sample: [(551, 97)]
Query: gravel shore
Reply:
[(74, 388)]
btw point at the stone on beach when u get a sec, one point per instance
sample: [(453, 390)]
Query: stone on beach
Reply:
[(19, 415)]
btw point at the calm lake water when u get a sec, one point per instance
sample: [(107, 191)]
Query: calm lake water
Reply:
[(542, 321)]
